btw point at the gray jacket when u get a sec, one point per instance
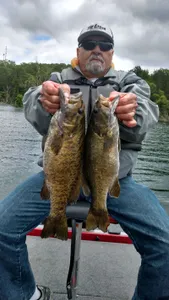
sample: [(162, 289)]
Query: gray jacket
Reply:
[(147, 113)]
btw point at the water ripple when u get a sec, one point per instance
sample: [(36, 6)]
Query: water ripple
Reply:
[(21, 145)]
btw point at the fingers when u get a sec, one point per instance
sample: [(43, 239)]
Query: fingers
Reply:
[(131, 123), (125, 98), (50, 98), (50, 88), (50, 103), (127, 116), (65, 87), (128, 98), (125, 109), (66, 90), (50, 107), (50, 95), (114, 94)]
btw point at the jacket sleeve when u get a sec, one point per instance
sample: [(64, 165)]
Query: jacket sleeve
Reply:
[(34, 112), (147, 112)]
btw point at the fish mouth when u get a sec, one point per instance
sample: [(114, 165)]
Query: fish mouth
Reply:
[(76, 101), (73, 101), (75, 98), (104, 102), (66, 99)]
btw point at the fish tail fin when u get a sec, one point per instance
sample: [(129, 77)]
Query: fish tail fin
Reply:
[(91, 223), (56, 227), (97, 219)]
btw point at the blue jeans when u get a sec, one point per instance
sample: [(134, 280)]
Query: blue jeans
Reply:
[(137, 210)]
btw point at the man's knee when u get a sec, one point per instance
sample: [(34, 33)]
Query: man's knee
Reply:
[(8, 220)]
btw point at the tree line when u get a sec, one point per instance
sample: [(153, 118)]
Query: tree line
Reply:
[(16, 79)]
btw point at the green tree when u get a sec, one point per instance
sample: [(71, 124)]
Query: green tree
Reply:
[(161, 79), (18, 100), (142, 73), (15, 80)]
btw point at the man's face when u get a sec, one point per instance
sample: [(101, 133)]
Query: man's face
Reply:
[(94, 63)]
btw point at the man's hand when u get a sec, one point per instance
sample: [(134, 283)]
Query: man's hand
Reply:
[(50, 95), (126, 107)]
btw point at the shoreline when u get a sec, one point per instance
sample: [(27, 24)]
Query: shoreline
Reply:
[(9, 104), (161, 118)]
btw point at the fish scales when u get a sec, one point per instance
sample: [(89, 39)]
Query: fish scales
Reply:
[(101, 161), (63, 154)]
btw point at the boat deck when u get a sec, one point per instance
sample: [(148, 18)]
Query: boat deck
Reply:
[(106, 271)]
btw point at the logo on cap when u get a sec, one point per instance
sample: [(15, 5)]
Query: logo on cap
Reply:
[(96, 26)]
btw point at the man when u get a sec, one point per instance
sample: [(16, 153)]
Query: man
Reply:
[(137, 209)]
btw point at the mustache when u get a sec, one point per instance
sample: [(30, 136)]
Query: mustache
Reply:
[(96, 56)]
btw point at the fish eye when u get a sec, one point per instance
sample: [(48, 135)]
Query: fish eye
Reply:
[(80, 110)]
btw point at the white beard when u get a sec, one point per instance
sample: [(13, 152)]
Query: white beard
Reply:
[(94, 67)]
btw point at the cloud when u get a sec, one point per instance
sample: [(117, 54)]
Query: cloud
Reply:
[(150, 11), (141, 29)]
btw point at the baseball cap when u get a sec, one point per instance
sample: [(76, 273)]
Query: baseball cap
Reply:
[(96, 29)]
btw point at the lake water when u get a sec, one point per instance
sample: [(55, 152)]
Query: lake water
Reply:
[(20, 147)]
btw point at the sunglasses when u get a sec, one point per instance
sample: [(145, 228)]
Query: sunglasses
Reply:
[(90, 45)]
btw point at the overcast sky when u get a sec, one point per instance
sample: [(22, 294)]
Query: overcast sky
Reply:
[(47, 31)]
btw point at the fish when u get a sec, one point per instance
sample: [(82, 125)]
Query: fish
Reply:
[(101, 161), (62, 162)]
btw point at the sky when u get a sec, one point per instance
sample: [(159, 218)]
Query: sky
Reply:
[(47, 31)]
